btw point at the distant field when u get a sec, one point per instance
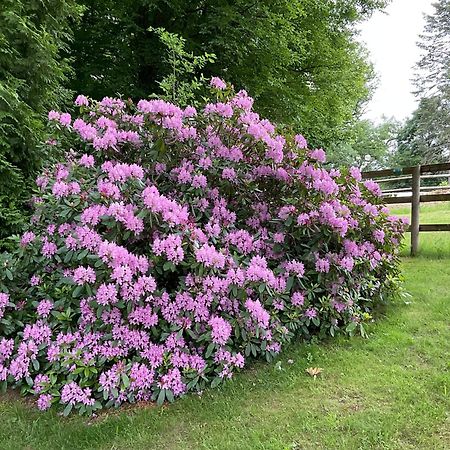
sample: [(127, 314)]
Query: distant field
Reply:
[(433, 244)]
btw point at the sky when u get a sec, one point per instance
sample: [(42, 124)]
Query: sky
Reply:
[(391, 39)]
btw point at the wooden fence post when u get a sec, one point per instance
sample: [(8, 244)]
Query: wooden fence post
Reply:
[(415, 207)]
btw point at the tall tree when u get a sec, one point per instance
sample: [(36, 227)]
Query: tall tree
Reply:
[(426, 135), (33, 71), (433, 69), (367, 145), (299, 58)]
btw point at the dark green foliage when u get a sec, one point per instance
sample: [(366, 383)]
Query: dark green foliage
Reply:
[(33, 37), (298, 57), (433, 70), (425, 137), (181, 85), (367, 145)]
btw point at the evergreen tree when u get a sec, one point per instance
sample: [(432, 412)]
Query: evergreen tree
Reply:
[(426, 135), (33, 72)]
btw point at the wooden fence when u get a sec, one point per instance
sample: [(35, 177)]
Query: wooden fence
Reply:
[(415, 194)]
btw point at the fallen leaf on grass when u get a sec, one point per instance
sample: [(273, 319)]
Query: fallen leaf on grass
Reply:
[(314, 371)]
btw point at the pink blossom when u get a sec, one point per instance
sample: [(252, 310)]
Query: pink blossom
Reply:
[(73, 394), (298, 299), (311, 313), (300, 141), (318, 155), (218, 83), (44, 307), (53, 115), (258, 313), (87, 160), (83, 275), (210, 257), (106, 294), (44, 401), (81, 100), (322, 265), (228, 174), (221, 330), (171, 246), (65, 119), (60, 189)]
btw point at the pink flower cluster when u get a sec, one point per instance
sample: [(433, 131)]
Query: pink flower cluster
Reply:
[(174, 245)]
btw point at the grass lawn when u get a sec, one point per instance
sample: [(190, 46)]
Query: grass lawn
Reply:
[(432, 244), (391, 391)]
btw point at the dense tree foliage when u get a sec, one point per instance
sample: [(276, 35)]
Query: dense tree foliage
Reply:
[(298, 57), (368, 145), (426, 135), (434, 67), (33, 72)]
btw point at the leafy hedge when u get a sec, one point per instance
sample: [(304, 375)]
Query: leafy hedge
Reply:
[(172, 246)]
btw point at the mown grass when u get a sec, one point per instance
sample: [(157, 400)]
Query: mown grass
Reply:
[(391, 391), (431, 244)]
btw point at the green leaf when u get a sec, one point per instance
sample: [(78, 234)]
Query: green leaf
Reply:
[(125, 380), (67, 409), (77, 291), (168, 265), (161, 397), (68, 256), (169, 396), (290, 283), (35, 364), (210, 349), (82, 254)]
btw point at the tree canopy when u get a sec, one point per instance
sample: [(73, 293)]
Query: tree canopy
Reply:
[(34, 70), (368, 145), (426, 135), (299, 58)]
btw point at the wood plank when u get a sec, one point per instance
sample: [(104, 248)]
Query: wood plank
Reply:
[(388, 180), (422, 188), (431, 168), (435, 175), (434, 198), (415, 208), (387, 172), (426, 227), (396, 200), (427, 168), (435, 227), (425, 198)]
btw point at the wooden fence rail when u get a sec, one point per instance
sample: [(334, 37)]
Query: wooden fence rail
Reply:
[(415, 174)]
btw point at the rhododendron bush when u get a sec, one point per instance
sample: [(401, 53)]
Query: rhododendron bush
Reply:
[(171, 246)]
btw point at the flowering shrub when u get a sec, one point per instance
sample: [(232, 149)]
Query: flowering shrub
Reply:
[(173, 245)]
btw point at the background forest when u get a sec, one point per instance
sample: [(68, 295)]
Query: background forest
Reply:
[(300, 59)]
